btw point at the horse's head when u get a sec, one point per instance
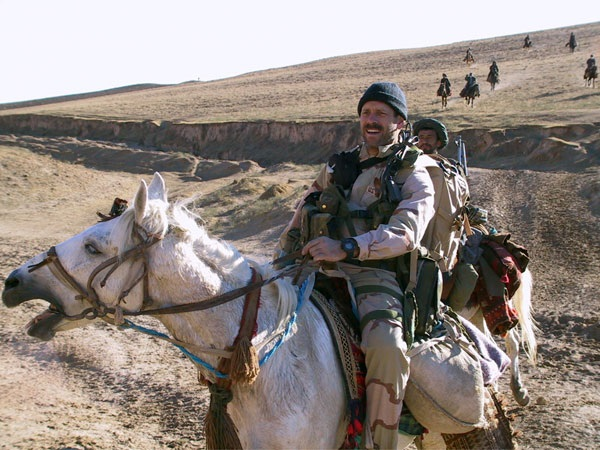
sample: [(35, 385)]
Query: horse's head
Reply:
[(96, 273)]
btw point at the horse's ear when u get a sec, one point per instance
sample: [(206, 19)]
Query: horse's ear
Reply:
[(157, 189), (141, 198)]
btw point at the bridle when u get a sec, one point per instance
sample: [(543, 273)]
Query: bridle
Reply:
[(100, 310)]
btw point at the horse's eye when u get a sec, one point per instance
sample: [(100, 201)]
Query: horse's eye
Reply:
[(91, 249)]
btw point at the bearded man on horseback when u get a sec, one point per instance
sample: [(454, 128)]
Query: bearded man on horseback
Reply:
[(365, 247), (433, 137)]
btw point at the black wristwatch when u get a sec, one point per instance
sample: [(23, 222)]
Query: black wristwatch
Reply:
[(350, 246)]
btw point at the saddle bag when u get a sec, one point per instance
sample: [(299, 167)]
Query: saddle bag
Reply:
[(446, 390)]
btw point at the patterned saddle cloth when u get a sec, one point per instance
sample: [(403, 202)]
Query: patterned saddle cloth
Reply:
[(331, 297)]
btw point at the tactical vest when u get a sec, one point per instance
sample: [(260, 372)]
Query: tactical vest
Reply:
[(418, 272), (325, 212)]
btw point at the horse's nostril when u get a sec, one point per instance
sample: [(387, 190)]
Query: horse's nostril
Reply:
[(11, 282)]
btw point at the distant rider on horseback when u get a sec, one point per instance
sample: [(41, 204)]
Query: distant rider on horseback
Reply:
[(591, 71), (444, 86), (470, 79), (494, 74), (572, 42), (471, 82), (469, 56)]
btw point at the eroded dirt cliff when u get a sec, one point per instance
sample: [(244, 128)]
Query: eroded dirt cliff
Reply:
[(268, 143)]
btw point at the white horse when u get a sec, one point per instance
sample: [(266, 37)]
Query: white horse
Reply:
[(521, 335), (155, 256)]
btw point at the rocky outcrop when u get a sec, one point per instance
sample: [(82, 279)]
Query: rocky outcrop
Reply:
[(270, 143)]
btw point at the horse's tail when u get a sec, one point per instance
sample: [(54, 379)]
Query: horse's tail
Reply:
[(522, 303)]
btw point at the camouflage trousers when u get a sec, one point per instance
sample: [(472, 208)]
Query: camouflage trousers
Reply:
[(379, 303)]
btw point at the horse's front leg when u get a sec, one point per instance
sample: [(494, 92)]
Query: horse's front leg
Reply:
[(516, 384)]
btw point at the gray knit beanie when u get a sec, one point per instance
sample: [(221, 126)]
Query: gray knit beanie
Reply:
[(387, 92)]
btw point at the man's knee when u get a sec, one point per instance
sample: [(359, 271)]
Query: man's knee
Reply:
[(384, 343)]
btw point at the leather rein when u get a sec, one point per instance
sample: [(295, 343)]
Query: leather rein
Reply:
[(99, 309)]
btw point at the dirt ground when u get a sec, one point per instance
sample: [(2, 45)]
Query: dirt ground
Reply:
[(99, 388)]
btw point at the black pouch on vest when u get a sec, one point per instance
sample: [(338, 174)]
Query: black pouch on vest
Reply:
[(345, 167)]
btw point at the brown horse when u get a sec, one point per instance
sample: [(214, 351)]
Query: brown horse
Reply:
[(469, 92), (444, 93), (493, 78), (590, 75)]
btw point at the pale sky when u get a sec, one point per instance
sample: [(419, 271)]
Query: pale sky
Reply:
[(59, 47)]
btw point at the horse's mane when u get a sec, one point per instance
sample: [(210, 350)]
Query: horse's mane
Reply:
[(227, 260), (211, 250), (162, 218)]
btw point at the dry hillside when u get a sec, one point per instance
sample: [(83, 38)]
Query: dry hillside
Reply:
[(542, 85), (534, 145)]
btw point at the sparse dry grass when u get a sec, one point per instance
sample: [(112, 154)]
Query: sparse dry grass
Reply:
[(254, 198), (540, 86)]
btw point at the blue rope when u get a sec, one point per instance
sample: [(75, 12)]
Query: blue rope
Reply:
[(186, 352), (194, 358), (289, 326)]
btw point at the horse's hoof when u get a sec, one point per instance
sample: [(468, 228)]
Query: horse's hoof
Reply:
[(521, 395), (523, 399)]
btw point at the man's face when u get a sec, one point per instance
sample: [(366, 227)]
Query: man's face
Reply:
[(379, 124), (428, 141)]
